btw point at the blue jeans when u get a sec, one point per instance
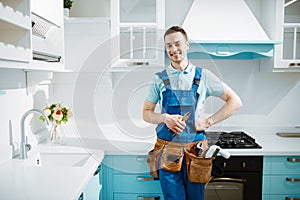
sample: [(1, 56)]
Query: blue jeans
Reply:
[(176, 185)]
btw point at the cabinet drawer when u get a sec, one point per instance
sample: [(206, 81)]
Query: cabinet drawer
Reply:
[(136, 183), (280, 185), (266, 184), (282, 165), (130, 164), (265, 197), (120, 196), (284, 197)]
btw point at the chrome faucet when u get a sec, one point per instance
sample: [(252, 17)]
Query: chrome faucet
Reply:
[(23, 142)]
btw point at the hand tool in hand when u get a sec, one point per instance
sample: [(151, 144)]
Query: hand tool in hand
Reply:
[(184, 118)]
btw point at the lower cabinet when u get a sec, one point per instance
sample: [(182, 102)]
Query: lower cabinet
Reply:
[(281, 178), (127, 177), (138, 196), (93, 189)]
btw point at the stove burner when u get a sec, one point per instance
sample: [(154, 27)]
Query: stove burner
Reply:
[(235, 139)]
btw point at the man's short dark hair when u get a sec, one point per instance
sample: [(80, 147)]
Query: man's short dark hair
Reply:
[(175, 29)]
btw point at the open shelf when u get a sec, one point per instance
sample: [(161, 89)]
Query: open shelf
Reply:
[(15, 43), (17, 53), (14, 17)]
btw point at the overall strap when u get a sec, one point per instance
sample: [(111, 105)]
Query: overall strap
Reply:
[(197, 78), (164, 77)]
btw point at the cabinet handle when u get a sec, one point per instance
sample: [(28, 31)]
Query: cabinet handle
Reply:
[(291, 198), (224, 179), (142, 159), (97, 171), (293, 179), (139, 178), (137, 63), (293, 159), (294, 64), (148, 198), (244, 164)]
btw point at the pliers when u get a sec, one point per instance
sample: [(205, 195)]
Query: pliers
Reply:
[(184, 118)]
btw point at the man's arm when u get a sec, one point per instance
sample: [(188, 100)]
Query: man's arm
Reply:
[(173, 122), (232, 104)]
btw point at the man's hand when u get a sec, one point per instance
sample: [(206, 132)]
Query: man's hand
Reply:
[(175, 123), (202, 125)]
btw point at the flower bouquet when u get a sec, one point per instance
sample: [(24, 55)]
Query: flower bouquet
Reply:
[(57, 113)]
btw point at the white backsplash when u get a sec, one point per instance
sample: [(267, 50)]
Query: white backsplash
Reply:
[(15, 100), (268, 98)]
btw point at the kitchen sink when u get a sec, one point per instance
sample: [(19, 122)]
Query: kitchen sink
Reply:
[(58, 159)]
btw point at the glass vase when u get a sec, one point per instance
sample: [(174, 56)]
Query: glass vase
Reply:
[(56, 134)]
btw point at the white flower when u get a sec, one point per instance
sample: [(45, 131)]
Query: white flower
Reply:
[(57, 115), (47, 112)]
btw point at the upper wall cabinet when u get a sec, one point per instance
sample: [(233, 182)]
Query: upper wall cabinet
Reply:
[(287, 54), (47, 34), (15, 29), (31, 34), (137, 33), (52, 10), (87, 33), (84, 37)]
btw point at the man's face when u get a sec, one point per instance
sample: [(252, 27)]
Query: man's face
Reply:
[(176, 46)]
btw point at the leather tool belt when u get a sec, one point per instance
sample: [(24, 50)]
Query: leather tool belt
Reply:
[(169, 155)]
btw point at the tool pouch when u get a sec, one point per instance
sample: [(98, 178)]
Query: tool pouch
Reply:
[(153, 158), (198, 168), (171, 158), (152, 161)]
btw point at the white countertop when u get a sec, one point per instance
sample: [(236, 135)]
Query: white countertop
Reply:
[(119, 142), (19, 180)]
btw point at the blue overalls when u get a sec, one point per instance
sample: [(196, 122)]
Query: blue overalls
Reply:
[(175, 185)]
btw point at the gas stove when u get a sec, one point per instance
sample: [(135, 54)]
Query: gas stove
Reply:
[(232, 140)]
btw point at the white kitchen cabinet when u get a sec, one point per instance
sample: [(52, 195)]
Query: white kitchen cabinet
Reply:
[(83, 35), (15, 29), (90, 8), (137, 29), (32, 34), (51, 10), (287, 30), (47, 34)]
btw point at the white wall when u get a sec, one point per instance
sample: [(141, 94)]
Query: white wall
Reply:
[(15, 100), (269, 98)]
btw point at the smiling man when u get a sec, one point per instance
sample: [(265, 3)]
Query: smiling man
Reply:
[(181, 89)]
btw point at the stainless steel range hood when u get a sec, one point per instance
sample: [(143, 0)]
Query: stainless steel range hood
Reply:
[(225, 29)]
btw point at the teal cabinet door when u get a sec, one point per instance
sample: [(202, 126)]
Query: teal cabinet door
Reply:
[(138, 196), (281, 177), (93, 188), (127, 177)]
